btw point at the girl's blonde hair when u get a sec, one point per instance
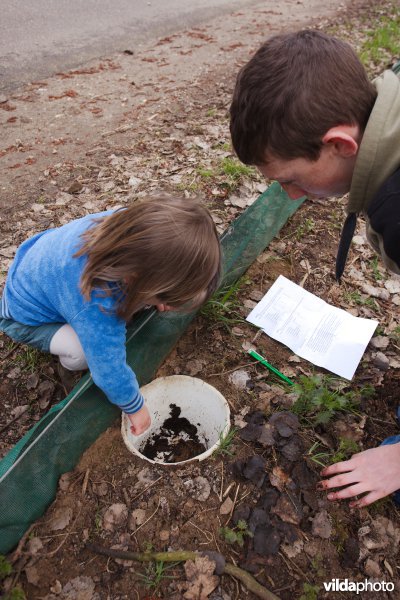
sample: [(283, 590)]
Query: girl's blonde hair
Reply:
[(164, 248)]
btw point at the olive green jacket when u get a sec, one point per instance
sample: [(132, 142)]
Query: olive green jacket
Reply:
[(378, 156)]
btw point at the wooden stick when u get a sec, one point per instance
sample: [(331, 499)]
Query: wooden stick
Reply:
[(183, 555)]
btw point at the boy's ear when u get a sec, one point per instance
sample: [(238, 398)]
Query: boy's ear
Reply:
[(343, 140)]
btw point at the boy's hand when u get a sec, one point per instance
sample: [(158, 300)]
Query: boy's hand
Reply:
[(164, 307), (374, 472), (140, 421)]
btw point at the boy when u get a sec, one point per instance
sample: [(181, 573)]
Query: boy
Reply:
[(305, 113)]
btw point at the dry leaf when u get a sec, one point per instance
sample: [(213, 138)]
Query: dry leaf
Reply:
[(200, 578)]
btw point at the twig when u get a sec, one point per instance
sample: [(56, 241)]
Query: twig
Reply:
[(222, 482), (233, 505), (85, 482), (231, 370), (149, 519), (182, 556), (208, 534), (145, 489), (295, 566), (10, 352), (53, 552), (249, 581), (18, 550), (7, 425)]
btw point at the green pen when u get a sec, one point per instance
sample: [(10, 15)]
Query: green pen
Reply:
[(269, 366)]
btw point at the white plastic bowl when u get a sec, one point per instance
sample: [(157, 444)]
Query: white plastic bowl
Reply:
[(203, 406)]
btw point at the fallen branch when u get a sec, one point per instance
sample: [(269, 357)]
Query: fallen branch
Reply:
[(181, 556)]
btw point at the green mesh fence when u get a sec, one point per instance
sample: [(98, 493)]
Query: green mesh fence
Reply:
[(29, 473)]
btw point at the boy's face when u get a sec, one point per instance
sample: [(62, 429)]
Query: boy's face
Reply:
[(328, 176)]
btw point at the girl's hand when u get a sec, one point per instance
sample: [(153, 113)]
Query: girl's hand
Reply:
[(140, 421), (374, 472)]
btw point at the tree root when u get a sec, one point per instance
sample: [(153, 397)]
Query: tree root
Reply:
[(181, 556)]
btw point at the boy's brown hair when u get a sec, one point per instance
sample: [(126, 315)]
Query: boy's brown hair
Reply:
[(292, 91), (164, 248)]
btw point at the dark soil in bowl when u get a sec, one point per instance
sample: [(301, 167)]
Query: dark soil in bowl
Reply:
[(176, 441)]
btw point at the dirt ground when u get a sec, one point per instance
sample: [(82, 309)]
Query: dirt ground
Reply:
[(83, 141)]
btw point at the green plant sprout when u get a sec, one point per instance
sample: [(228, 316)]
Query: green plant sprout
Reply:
[(346, 449), (237, 534), (5, 567), (310, 592), (320, 458), (225, 442), (305, 227), (395, 334), (16, 593), (320, 398)]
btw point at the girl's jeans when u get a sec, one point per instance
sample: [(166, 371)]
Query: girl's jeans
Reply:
[(57, 338)]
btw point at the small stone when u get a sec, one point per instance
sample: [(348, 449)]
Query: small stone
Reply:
[(32, 381), (32, 575), (226, 507), (380, 342), (164, 535), (393, 284), (115, 516), (372, 568), (75, 187), (65, 481), (381, 361), (34, 545), (19, 410), (56, 588), (239, 379), (100, 489), (134, 182), (321, 525), (136, 518), (61, 519), (199, 488)]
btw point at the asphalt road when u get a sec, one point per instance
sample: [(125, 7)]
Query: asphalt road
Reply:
[(41, 37)]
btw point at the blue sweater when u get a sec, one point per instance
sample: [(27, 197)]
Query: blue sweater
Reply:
[(43, 287)]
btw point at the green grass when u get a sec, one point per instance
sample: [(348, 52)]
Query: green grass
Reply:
[(29, 359), (383, 43), (225, 305), (356, 298), (345, 450), (156, 573), (235, 170), (226, 442), (374, 264)]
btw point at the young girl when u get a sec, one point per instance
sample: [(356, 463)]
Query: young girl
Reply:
[(71, 290)]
